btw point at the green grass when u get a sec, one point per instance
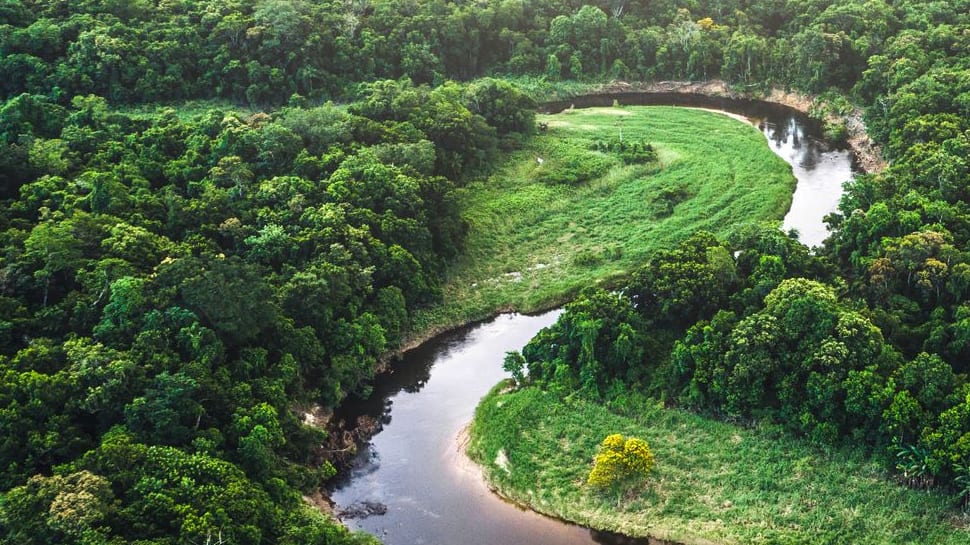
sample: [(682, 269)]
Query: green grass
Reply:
[(533, 244), (713, 482)]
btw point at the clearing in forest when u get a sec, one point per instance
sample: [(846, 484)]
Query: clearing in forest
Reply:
[(581, 205)]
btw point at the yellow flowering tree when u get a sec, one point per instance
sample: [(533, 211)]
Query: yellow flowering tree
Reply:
[(619, 461)]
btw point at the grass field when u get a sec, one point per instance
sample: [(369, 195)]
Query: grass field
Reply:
[(534, 243), (713, 482)]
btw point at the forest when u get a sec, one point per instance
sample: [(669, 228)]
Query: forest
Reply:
[(218, 214)]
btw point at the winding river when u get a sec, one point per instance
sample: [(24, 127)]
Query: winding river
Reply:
[(411, 484)]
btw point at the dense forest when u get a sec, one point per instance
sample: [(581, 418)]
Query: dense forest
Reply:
[(177, 284)]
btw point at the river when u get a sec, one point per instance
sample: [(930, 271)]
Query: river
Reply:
[(413, 477)]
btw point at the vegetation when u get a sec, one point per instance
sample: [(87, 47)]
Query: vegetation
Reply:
[(620, 462), (713, 482), (757, 337), (175, 282), (261, 52), (173, 288), (539, 232)]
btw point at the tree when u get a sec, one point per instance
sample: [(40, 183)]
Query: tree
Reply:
[(61, 508), (227, 294), (689, 283), (502, 105), (598, 341), (168, 412), (620, 462), (54, 245)]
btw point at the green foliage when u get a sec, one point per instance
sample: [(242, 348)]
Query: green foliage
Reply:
[(212, 265), (514, 364), (915, 465), (596, 341), (632, 152), (790, 360), (562, 238), (61, 508), (129, 53), (962, 483), (571, 167), (685, 284), (739, 479), (173, 285)]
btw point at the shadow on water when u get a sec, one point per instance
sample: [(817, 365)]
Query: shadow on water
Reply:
[(412, 484)]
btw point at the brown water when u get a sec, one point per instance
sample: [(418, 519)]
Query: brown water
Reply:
[(414, 467)]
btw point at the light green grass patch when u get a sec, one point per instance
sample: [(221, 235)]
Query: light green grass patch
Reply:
[(712, 483), (533, 245)]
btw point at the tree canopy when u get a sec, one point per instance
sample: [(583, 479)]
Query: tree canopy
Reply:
[(175, 280)]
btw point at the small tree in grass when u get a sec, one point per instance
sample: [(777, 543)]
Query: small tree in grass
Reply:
[(620, 461)]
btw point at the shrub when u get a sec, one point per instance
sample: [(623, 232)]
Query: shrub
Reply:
[(620, 462), (569, 165), (631, 152)]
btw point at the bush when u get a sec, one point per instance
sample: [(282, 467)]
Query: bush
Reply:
[(571, 167), (632, 152), (620, 462)]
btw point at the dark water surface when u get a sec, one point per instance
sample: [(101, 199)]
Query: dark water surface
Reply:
[(414, 467)]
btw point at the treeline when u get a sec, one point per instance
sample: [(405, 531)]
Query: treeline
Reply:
[(264, 51), (866, 342), (760, 331), (176, 288), (174, 285)]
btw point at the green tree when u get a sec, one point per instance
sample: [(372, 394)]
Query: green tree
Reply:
[(61, 508)]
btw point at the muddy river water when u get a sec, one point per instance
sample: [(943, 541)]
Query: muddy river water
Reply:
[(411, 484)]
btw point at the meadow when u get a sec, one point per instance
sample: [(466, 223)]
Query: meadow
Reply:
[(713, 482), (560, 215)]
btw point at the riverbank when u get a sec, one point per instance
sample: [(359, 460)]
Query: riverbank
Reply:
[(867, 153), (713, 482), (560, 215), (527, 161)]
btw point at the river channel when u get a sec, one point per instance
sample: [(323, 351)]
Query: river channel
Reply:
[(411, 484)]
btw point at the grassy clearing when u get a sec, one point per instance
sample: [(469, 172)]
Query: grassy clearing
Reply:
[(534, 243), (713, 482)]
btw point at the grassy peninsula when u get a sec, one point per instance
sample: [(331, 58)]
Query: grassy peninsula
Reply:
[(559, 215), (713, 482)]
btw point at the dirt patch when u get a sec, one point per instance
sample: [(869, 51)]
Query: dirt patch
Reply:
[(319, 500)]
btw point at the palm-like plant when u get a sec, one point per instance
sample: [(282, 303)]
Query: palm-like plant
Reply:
[(962, 483)]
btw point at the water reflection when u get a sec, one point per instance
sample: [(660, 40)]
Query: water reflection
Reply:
[(412, 484)]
